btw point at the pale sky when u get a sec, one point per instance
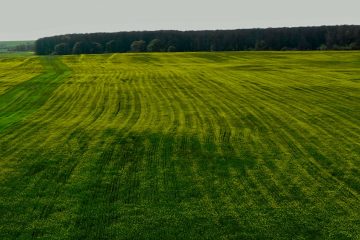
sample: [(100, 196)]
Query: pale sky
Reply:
[(32, 19)]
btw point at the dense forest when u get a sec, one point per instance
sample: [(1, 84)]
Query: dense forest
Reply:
[(344, 37)]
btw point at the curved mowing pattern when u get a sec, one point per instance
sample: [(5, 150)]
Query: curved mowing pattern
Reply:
[(187, 145), (22, 96), (17, 69)]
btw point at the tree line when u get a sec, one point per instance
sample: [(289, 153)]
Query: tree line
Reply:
[(26, 47), (342, 37), (17, 46)]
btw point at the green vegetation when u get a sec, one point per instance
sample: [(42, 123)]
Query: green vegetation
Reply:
[(16, 46), (240, 145), (341, 37)]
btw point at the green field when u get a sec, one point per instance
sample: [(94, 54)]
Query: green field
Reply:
[(237, 145)]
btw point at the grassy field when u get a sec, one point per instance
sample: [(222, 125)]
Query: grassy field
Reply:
[(240, 145)]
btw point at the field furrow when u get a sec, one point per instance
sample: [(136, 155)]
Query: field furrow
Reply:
[(226, 145)]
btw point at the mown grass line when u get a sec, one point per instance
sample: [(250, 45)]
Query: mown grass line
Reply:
[(188, 146), (28, 96)]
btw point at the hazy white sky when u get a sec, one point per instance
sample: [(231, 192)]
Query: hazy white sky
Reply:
[(31, 19)]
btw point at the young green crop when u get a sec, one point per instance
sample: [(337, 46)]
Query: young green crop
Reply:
[(238, 145)]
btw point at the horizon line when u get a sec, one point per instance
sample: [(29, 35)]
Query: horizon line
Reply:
[(181, 30)]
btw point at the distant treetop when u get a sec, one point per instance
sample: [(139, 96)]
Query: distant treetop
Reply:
[(344, 37)]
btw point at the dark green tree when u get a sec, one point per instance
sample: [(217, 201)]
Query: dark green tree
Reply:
[(138, 46), (171, 48), (61, 49), (322, 47), (260, 45), (78, 48), (96, 48), (154, 46), (110, 46), (355, 45)]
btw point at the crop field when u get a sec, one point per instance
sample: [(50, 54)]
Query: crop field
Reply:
[(232, 145)]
